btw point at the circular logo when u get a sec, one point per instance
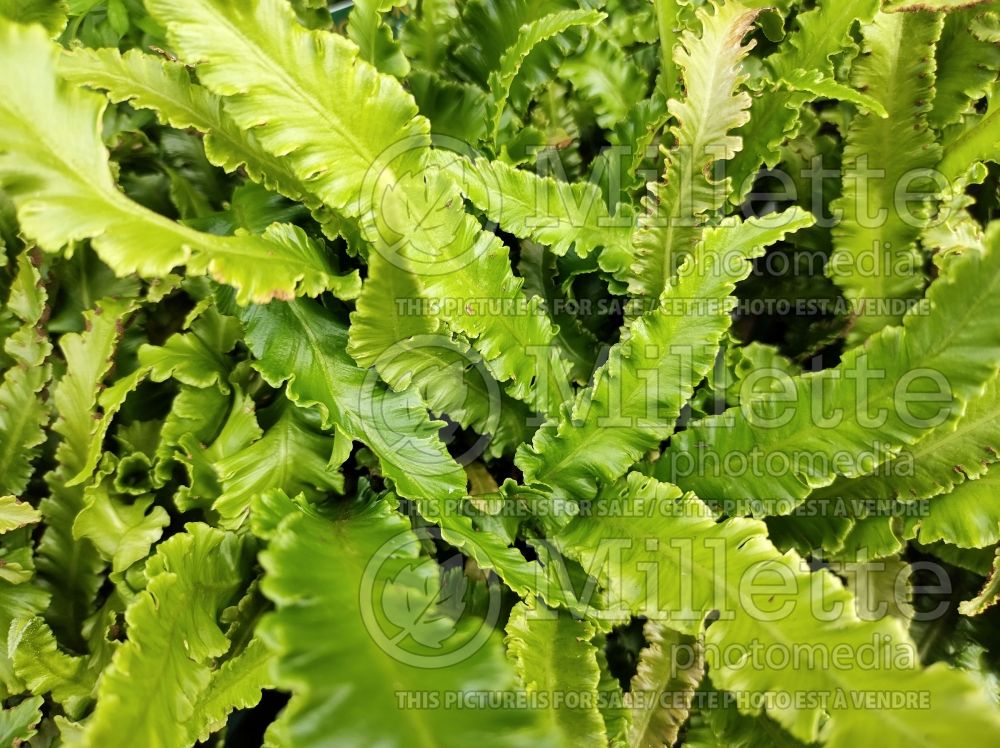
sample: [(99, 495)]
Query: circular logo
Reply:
[(426, 614), (412, 207), (453, 379)]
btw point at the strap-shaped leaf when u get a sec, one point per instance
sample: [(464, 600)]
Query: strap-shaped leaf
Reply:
[(358, 142), (799, 424), (165, 87), (968, 516), (717, 723), (19, 723), (959, 451), (604, 75), (72, 565), (301, 343), (711, 66), (21, 598), (875, 259), (974, 141), (557, 214), (55, 167), (822, 32), (121, 530), (45, 669), (322, 572), (554, 658), (23, 412), (670, 559), (51, 14), (15, 514), (292, 455), (173, 637), (669, 669), (907, 6), (391, 331), (988, 596), (529, 36), (346, 115), (367, 29), (966, 68), (637, 395), (237, 684)]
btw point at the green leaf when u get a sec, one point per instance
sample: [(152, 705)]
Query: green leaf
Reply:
[(300, 342), (529, 36), (15, 514), (121, 531), (560, 215), (662, 554), (875, 260), (409, 347), (896, 6), (367, 29), (45, 669), (637, 396), (173, 636), (257, 56), (51, 14), (198, 357), (820, 33), (23, 411), (987, 597), (817, 427), (677, 208), (322, 572), (959, 451), (72, 566), (165, 87), (56, 169), (663, 687), (237, 684), (605, 76), (18, 600), (974, 141), (293, 455), (19, 722), (719, 724), (967, 516), (349, 115), (554, 657), (966, 67)]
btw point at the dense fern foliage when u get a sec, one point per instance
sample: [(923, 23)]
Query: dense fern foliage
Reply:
[(499, 373)]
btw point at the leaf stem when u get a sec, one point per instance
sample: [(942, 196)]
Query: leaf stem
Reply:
[(666, 20)]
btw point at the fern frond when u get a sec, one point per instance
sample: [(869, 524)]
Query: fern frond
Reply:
[(348, 115), (819, 420), (529, 36), (55, 167), (23, 411), (558, 214), (821, 33), (173, 637), (711, 66), (674, 562), (301, 343), (345, 686), (554, 658), (165, 87), (875, 256), (637, 395)]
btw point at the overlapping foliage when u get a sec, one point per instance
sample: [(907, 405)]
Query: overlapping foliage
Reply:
[(500, 372)]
